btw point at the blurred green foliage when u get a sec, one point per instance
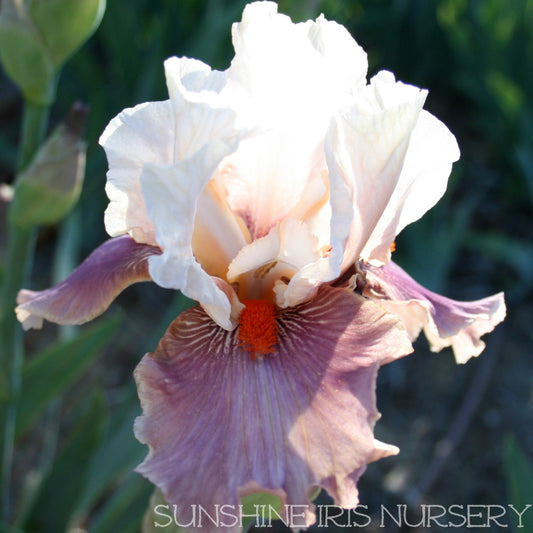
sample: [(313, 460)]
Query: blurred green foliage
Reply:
[(475, 57)]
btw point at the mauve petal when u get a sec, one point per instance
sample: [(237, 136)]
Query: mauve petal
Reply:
[(91, 288), (220, 425), (445, 322)]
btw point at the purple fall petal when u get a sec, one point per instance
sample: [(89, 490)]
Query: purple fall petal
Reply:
[(445, 322), (220, 425), (91, 288)]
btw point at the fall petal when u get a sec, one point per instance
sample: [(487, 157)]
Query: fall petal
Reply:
[(445, 322), (298, 418), (91, 288)]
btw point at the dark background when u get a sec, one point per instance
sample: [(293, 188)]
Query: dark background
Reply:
[(464, 430)]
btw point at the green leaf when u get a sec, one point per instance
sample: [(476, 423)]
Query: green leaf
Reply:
[(519, 474), (124, 511), (262, 506), (119, 453), (159, 515), (61, 489), (51, 372)]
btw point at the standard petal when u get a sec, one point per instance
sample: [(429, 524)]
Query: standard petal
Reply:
[(91, 288), (161, 133), (136, 136), (202, 114), (293, 420), (445, 322), (171, 194), (286, 81), (292, 70), (345, 61), (365, 149), (428, 162)]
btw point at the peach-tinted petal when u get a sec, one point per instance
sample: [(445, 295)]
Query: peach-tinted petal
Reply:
[(290, 244), (218, 233), (171, 194), (445, 322), (299, 418), (91, 288)]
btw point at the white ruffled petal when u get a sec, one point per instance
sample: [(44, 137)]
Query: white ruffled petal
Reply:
[(344, 60), (171, 194), (286, 80), (428, 162), (202, 113), (365, 149), (136, 136), (162, 133)]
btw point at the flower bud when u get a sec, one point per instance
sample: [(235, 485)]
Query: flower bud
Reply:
[(50, 186), (23, 54), (38, 36), (65, 24)]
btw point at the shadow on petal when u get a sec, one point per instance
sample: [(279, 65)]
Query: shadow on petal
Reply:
[(220, 424)]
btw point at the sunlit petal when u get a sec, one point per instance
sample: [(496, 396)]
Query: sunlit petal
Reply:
[(289, 89), (136, 136), (365, 150), (423, 179), (171, 194)]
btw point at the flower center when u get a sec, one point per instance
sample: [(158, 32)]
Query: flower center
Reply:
[(258, 329)]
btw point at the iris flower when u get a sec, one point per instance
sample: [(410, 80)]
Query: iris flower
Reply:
[(271, 194)]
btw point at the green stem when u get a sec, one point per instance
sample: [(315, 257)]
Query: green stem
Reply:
[(34, 125), (19, 257)]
